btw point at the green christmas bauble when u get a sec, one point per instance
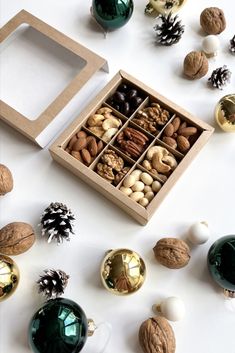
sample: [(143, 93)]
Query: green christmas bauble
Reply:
[(221, 262), (59, 326), (112, 14)]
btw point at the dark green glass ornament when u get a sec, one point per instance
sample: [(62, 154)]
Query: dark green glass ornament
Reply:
[(60, 326), (221, 262), (112, 14)]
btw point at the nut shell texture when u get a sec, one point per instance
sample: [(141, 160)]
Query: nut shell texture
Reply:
[(212, 20), (195, 65), (16, 238), (172, 252), (157, 336), (6, 180)]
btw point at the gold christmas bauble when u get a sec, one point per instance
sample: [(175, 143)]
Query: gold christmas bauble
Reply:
[(225, 113), (122, 271), (164, 6), (9, 277)]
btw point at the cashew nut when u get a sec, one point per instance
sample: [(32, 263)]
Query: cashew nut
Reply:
[(171, 161), (158, 163), (110, 123), (97, 130), (158, 150), (95, 119), (109, 134), (104, 110)]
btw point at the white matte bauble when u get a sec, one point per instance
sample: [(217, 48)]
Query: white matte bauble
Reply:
[(199, 233), (172, 309), (211, 44)]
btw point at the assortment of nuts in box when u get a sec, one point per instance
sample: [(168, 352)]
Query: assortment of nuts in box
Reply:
[(133, 142)]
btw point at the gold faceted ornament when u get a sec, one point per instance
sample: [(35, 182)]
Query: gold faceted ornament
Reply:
[(9, 277), (122, 271), (155, 7), (225, 113)]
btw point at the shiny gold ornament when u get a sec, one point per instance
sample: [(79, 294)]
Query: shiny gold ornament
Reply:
[(9, 277), (122, 271), (155, 7), (225, 113)]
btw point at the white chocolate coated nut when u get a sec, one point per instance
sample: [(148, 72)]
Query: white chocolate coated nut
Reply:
[(146, 178), (147, 188), (126, 191), (136, 196), (138, 186), (156, 186), (129, 181), (144, 202), (136, 173), (149, 195)]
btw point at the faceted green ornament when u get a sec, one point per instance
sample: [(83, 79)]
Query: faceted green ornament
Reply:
[(60, 326), (112, 14), (221, 262)]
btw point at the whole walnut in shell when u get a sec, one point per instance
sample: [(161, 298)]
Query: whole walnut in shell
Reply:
[(172, 252), (195, 65), (6, 180), (16, 238), (157, 336), (212, 20)]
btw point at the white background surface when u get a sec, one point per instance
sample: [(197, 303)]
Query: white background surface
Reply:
[(205, 192)]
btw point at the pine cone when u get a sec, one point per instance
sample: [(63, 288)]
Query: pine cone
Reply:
[(57, 222), (170, 30), (220, 77), (232, 45), (52, 284)]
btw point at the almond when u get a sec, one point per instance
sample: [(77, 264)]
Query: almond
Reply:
[(72, 141), (170, 141), (187, 131), (81, 134), (183, 125), (100, 146), (92, 148), (169, 130), (183, 143), (176, 123), (77, 155), (89, 139), (79, 144), (86, 156)]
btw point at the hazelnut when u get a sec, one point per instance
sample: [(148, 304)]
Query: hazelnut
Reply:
[(16, 238), (6, 180), (212, 20), (172, 252), (195, 65), (156, 335)]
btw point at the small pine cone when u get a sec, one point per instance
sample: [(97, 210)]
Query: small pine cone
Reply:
[(232, 45), (170, 30), (220, 77), (52, 284), (57, 222)]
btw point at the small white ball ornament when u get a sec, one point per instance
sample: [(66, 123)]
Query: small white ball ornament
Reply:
[(172, 308), (199, 233), (210, 45)]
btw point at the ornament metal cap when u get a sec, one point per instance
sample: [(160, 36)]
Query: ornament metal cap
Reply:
[(122, 271)]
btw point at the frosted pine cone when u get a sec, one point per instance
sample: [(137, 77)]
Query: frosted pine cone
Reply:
[(232, 45), (52, 284), (220, 77), (170, 30), (57, 222)]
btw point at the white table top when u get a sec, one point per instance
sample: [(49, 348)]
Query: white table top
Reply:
[(205, 192)]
